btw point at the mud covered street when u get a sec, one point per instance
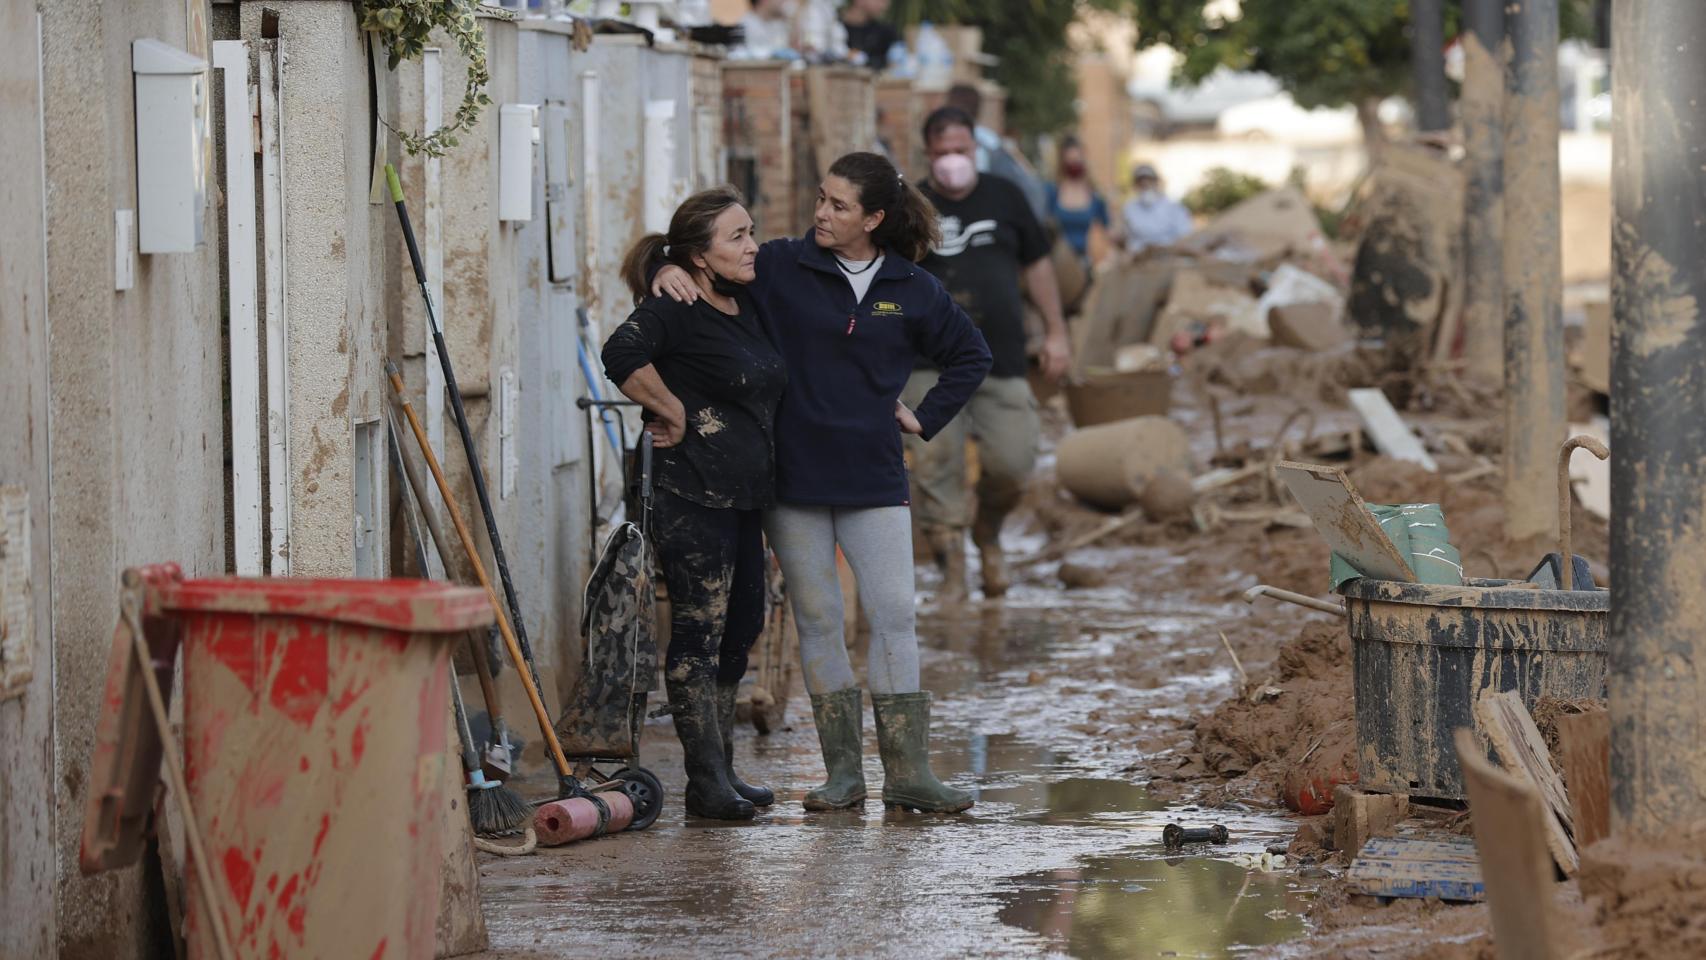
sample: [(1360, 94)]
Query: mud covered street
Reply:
[(1062, 853)]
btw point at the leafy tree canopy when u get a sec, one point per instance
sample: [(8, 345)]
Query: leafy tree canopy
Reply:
[(1324, 52)]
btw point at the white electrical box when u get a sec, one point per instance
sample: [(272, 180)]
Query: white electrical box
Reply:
[(518, 131), (171, 148)]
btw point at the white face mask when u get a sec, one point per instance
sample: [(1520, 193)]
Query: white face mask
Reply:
[(1148, 196)]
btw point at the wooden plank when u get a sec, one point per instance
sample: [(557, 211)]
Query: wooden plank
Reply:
[(1344, 520), (1505, 722), (1391, 435), (1357, 816), (1508, 815), (1419, 868), (1584, 741)]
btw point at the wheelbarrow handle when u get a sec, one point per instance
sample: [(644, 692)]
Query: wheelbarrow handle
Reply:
[(1566, 564)]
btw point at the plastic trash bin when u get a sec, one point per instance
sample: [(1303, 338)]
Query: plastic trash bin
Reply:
[(314, 738)]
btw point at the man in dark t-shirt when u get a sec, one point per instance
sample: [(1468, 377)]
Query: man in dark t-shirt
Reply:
[(990, 239)]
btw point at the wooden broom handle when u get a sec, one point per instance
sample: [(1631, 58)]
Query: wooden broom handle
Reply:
[(450, 506)]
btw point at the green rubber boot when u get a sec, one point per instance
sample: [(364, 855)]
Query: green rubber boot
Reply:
[(756, 795), (840, 730), (903, 736)]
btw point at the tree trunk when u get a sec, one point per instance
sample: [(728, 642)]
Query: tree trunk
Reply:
[(1373, 132)]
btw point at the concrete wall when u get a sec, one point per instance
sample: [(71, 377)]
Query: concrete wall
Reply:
[(551, 550), (136, 417), (335, 252), (27, 809)]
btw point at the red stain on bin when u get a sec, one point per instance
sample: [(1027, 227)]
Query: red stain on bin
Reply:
[(239, 876)]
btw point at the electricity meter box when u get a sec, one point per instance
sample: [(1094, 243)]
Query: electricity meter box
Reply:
[(171, 147)]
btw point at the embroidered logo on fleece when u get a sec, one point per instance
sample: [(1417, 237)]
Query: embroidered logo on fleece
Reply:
[(886, 308)]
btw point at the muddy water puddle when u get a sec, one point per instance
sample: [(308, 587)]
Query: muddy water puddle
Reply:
[(1062, 854)]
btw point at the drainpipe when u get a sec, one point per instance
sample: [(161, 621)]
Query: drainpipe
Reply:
[(1481, 107), (1658, 369), (1534, 328), (1427, 60)]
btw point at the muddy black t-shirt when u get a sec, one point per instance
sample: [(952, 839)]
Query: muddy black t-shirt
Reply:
[(729, 377), (988, 238)]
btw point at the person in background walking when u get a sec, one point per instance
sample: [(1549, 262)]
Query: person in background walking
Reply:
[(709, 378), (992, 155), (868, 33), (1152, 219), (989, 241), (1073, 203), (851, 311)]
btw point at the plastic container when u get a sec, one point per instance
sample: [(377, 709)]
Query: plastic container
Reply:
[(315, 739), (1423, 653)]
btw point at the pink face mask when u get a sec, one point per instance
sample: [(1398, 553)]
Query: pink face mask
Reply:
[(954, 171)]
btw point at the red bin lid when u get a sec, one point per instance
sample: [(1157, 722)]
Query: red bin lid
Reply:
[(413, 606)]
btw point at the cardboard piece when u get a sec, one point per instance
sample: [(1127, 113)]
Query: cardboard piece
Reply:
[(1504, 721), (1195, 299), (1391, 435), (1308, 326), (1270, 224), (1584, 750), (1442, 868), (1119, 396), (1509, 836), (1120, 308), (1343, 520)]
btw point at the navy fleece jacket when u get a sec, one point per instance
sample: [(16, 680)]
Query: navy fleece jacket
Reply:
[(837, 443)]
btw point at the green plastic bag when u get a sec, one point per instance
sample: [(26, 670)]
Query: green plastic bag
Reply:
[(1418, 531)]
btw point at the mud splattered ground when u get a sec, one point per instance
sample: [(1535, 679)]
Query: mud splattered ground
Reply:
[(1084, 718), (1062, 853)]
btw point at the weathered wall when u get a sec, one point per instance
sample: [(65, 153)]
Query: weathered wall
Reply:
[(137, 467), (551, 550), (334, 252), (27, 814)]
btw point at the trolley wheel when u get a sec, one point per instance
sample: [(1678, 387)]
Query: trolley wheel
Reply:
[(646, 793)]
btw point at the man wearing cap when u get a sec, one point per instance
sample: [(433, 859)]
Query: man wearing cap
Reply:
[(1152, 219)]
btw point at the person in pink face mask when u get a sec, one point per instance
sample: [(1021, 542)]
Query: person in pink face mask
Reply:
[(990, 239)]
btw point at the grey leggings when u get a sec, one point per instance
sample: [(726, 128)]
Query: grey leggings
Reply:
[(877, 542)]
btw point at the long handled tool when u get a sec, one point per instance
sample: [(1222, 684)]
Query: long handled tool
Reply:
[(130, 606), (492, 807), (565, 776), (495, 758), (468, 448)]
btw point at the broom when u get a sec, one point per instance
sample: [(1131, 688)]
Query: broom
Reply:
[(493, 808)]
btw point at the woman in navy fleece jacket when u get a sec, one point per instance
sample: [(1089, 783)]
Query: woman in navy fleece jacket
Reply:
[(850, 310)]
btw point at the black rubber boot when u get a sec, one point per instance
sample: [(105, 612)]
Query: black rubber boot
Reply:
[(694, 703), (757, 796), (840, 721), (903, 736)]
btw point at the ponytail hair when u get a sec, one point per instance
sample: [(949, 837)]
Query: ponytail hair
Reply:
[(690, 233), (909, 221)]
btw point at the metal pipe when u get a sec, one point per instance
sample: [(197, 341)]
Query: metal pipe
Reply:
[(1534, 325), (1275, 593), (1481, 106), (1427, 62), (1658, 366)]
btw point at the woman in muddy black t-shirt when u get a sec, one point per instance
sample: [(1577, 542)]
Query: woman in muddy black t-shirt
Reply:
[(709, 378)]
